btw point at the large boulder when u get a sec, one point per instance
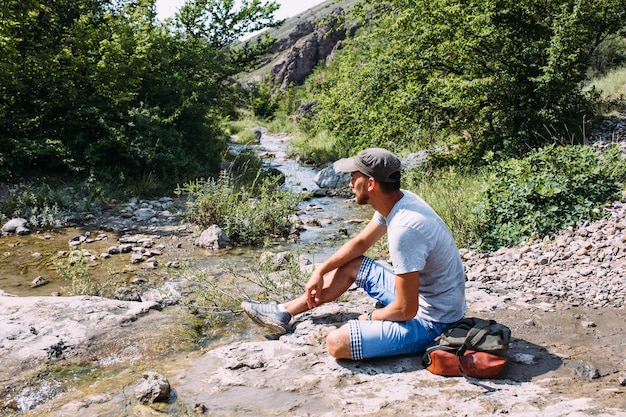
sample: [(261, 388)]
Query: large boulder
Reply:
[(213, 238), (328, 178), (18, 226)]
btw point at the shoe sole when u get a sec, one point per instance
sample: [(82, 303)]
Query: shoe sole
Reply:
[(276, 328)]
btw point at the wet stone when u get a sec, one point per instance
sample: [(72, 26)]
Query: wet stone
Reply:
[(38, 282)]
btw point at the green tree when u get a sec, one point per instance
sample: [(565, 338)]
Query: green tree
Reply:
[(222, 22), (100, 89), (476, 75)]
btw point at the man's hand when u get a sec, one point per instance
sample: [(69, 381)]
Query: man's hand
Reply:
[(314, 289), (364, 316)]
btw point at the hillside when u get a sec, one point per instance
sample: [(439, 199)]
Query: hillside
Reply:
[(291, 39)]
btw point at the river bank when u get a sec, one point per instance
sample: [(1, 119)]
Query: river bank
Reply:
[(566, 357), (563, 298)]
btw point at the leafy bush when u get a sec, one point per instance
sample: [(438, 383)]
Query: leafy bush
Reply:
[(552, 188), (610, 54), (262, 100), (76, 270), (43, 205), (100, 89), (248, 214)]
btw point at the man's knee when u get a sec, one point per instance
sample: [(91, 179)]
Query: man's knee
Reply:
[(338, 343), (352, 268)]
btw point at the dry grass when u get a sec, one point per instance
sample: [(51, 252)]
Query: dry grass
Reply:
[(612, 85)]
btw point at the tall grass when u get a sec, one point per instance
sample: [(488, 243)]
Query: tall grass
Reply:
[(612, 84), (611, 91), (318, 149), (452, 193)]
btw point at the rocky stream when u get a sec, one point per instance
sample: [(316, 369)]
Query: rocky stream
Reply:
[(146, 353)]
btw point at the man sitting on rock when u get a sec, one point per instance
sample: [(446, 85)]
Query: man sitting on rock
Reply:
[(421, 295)]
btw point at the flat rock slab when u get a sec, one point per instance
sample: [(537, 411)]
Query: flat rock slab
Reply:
[(35, 329), (294, 375)]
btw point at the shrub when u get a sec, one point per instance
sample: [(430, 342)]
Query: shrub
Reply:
[(45, 205), (76, 270), (248, 214), (475, 76), (262, 100), (610, 54), (102, 89), (552, 188)]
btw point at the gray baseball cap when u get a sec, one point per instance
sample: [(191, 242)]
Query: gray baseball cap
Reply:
[(376, 163)]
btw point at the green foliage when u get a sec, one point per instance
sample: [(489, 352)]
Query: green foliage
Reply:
[(247, 137), (318, 149), (102, 90), (221, 23), (610, 54), (612, 88), (219, 297), (44, 205), (262, 100), (477, 76), (248, 214), (246, 169), (552, 188), (268, 281)]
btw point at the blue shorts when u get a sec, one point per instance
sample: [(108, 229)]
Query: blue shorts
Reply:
[(375, 338)]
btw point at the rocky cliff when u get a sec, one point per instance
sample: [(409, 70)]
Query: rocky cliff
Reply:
[(309, 44), (303, 42)]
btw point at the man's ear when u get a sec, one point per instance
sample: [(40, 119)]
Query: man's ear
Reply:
[(371, 184)]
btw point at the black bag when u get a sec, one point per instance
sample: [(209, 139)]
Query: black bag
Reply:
[(472, 348)]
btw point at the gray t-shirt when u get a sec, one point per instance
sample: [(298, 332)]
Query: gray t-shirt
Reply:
[(420, 241)]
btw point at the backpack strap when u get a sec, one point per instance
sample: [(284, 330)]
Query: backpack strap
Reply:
[(474, 335), (477, 332), (471, 379)]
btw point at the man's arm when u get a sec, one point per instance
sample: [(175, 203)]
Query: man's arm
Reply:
[(351, 250), (406, 304)]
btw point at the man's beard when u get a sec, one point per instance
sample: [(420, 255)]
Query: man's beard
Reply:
[(362, 199)]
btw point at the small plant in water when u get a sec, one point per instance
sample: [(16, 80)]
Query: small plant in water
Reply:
[(248, 214), (278, 277), (75, 270)]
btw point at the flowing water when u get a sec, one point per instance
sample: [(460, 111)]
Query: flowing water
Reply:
[(167, 342), (25, 258)]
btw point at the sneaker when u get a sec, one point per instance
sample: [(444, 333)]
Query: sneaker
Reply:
[(268, 315)]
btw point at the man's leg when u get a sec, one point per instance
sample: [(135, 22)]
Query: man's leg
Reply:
[(347, 341), (338, 343), (336, 283), (276, 317)]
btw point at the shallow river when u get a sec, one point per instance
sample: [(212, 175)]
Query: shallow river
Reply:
[(180, 337), (24, 258)]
